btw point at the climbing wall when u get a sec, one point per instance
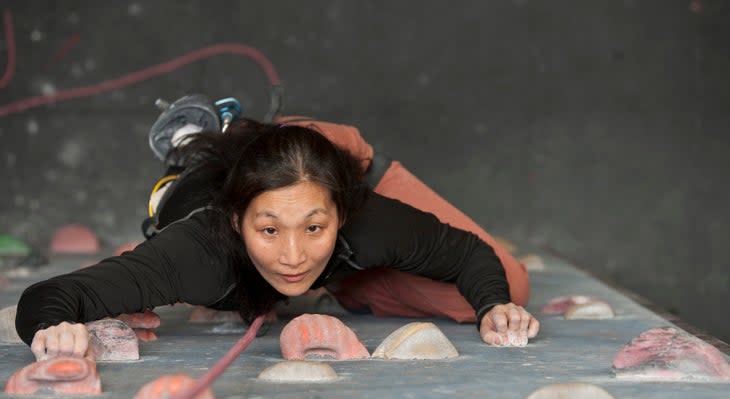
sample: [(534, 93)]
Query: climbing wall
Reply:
[(579, 350)]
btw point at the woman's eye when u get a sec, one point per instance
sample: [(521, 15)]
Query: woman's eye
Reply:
[(313, 228), (269, 230)]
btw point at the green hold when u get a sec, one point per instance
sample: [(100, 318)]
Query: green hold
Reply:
[(11, 246)]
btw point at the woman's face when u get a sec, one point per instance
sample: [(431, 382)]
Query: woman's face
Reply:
[(290, 234)]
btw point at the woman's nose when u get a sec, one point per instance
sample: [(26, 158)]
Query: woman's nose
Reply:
[(292, 252)]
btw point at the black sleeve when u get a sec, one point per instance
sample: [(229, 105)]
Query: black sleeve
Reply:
[(180, 264), (387, 232)]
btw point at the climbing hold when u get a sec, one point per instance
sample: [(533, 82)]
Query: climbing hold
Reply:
[(594, 310), (561, 304), (532, 262), (299, 371), (318, 335), (577, 390), (74, 239), (669, 354), (201, 314), (8, 334), (65, 375), (146, 319), (113, 340), (142, 324), (11, 246), (169, 385), (145, 334), (416, 341), (505, 244), (126, 247)]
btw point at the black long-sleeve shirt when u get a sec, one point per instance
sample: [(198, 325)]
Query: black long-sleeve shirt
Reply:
[(182, 264)]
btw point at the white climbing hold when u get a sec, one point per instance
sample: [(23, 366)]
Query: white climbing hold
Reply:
[(576, 390), (416, 341), (299, 371), (595, 310)]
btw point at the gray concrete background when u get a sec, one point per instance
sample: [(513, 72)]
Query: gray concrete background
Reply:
[(595, 129)]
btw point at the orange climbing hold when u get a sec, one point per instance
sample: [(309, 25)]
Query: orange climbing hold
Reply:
[(74, 239), (318, 335), (64, 375), (169, 385)]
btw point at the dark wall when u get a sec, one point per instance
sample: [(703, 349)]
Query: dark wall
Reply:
[(597, 129)]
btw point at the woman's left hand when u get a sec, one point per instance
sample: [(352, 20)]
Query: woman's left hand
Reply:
[(508, 325)]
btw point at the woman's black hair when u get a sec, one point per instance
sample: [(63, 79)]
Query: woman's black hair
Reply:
[(251, 158)]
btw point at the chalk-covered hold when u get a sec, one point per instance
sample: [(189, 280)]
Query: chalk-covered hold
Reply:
[(561, 304), (113, 340), (577, 390), (668, 354), (595, 310), (416, 341), (299, 371), (8, 334), (318, 335)]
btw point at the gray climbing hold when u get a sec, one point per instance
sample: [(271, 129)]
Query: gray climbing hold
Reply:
[(416, 341), (299, 371), (8, 334), (576, 390)]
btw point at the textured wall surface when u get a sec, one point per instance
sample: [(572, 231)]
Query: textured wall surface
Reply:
[(598, 129)]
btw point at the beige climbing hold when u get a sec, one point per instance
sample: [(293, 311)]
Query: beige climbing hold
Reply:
[(299, 371), (505, 244), (575, 390), (8, 334), (532, 262), (595, 310), (416, 341)]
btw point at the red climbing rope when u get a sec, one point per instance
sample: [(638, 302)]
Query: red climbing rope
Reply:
[(165, 67), (218, 369)]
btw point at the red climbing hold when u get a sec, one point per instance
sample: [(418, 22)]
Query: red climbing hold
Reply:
[(145, 334), (74, 239), (169, 385), (320, 335), (126, 247), (670, 354), (65, 375), (146, 319)]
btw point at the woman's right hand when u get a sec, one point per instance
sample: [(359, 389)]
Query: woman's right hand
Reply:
[(64, 339)]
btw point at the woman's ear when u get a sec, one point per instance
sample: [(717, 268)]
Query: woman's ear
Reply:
[(236, 222)]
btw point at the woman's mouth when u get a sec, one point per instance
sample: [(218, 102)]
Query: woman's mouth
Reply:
[(293, 278)]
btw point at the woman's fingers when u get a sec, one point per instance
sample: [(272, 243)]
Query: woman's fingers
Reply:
[(508, 324), (533, 328), (38, 346), (64, 339)]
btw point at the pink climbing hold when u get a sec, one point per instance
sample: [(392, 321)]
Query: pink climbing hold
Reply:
[(561, 304), (668, 354), (74, 239), (320, 335), (64, 375), (126, 247), (169, 385), (146, 319), (113, 340)]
